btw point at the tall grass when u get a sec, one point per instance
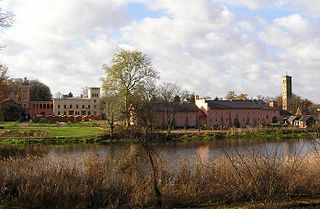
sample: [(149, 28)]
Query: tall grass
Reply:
[(100, 182)]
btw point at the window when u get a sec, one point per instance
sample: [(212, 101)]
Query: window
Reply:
[(77, 106), (89, 113), (24, 105), (89, 107), (58, 112), (70, 106), (48, 106), (34, 105), (267, 116), (44, 106), (94, 100), (51, 106), (94, 113), (64, 106), (65, 113), (58, 106), (40, 106), (83, 107)]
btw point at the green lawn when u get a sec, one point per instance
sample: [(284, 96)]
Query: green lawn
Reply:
[(76, 130), (71, 131)]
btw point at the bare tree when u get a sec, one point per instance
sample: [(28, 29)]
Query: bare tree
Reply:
[(144, 132), (168, 93), (5, 83), (242, 96), (112, 109), (231, 95), (58, 95), (6, 20), (84, 92)]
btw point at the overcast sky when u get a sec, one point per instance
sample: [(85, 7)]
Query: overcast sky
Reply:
[(207, 46)]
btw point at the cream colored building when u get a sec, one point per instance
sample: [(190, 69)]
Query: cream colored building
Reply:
[(79, 106), (287, 93)]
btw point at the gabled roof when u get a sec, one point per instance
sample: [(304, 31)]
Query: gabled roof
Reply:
[(179, 107), (305, 118), (238, 104), (293, 118), (285, 113)]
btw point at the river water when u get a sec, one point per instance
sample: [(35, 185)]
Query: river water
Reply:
[(172, 150)]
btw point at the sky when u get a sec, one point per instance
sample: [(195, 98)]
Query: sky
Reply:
[(208, 47)]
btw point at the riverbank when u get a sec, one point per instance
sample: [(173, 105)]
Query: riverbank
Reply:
[(82, 133), (242, 133)]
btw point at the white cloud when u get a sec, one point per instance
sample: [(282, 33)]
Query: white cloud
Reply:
[(63, 43), (203, 45)]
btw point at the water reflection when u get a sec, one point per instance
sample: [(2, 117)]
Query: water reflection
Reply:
[(171, 151)]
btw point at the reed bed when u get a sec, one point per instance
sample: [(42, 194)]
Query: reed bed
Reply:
[(100, 182)]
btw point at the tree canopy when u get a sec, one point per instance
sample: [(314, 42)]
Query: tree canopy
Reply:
[(39, 91), (129, 72)]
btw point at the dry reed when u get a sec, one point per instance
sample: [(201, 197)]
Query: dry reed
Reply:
[(100, 182)]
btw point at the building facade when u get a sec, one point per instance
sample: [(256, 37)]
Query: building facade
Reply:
[(70, 106), (40, 108), (184, 115), (67, 106), (238, 113)]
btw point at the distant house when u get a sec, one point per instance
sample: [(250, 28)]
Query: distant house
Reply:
[(306, 121), (292, 120), (237, 113), (284, 116)]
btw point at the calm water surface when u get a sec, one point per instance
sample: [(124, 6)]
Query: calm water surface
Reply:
[(171, 151)]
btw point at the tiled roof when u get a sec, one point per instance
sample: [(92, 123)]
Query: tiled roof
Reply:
[(285, 113), (292, 118), (238, 104), (306, 118), (179, 107)]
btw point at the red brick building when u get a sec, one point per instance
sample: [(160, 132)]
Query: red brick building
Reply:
[(34, 108), (239, 113)]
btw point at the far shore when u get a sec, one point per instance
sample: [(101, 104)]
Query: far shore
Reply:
[(82, 133)]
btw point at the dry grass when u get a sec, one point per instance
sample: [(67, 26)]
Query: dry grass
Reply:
[(98, 182)]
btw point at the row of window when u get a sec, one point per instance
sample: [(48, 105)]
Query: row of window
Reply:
[(227, 120), (95, 95), (77, 106), (42, 106), (77, 113)]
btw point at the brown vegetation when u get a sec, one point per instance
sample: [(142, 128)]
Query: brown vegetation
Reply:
[(100, 182)]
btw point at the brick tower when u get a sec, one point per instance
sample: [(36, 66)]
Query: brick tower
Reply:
[(287, 93)]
